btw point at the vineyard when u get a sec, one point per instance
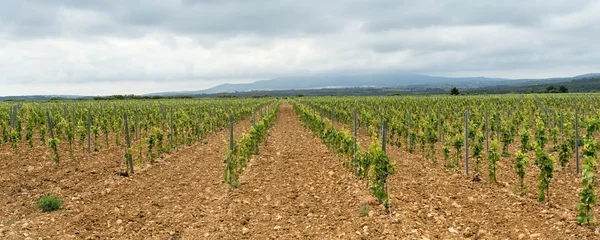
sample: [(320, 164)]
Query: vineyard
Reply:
[(407, 167)]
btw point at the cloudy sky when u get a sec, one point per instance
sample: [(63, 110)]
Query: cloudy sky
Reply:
[(115, 46)]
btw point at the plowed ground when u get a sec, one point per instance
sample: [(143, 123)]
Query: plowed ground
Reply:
[(294, 189)]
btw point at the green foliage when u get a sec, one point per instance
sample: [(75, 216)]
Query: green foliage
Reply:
[(139, 158), (230, 173), (4, 131), (53, 144), (69, 131), (546, 165), (160, 137), (563, 89), (14, 139), (554, 137), (507, 136), (422, 141), (446, 148), (432, 139), (151, 141), (104, 126), (493, 158), (137, 97), (477, 150), (126, 157), (381, 169), (521, 162), (49, 203), (525, 135), (454, 91), (364, 209), (29, 130), (588, 193), (565, 153), (81, 131), (95, 132), (540, 133)]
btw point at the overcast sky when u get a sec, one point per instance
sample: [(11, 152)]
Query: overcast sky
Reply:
[(121, 46)]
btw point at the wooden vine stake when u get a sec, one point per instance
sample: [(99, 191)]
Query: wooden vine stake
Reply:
[(231, 146), (487, 131), (498, 126), (73, 121), (171, 129), (410, 138), (576, 142), (136, 124), (409, 119), (355, 144), (10, 119), (332, 117), (128, 154), (383, 148), (439, 126), (381, 121), (199, 122), (321, 115), (562, 130), (467, 142), (89, 134), (332, 128), (253, 117), (52, 140)]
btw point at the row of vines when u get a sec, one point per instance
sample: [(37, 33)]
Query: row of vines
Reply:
[(373, 164), (557, 132), (144, 129), (240, 152)]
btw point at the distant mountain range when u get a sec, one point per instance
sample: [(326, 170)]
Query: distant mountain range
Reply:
[(383, 80), (43, 97), (400, 82)]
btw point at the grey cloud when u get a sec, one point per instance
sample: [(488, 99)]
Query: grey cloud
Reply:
[(190, 17), (265, 17), (383, 15), (75, 41)]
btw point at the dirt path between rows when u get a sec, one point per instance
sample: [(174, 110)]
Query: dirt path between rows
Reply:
[(295, 189)]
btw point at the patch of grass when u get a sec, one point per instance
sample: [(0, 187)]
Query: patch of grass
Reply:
[(364, 209), (515, 190), (49, 203), (451, 166)]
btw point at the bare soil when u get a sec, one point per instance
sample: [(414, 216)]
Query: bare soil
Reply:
[(294, 189), (101, 205)]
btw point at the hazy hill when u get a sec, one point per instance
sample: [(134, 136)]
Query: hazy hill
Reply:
[(401, 80), (583, 83), (372, 84)]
